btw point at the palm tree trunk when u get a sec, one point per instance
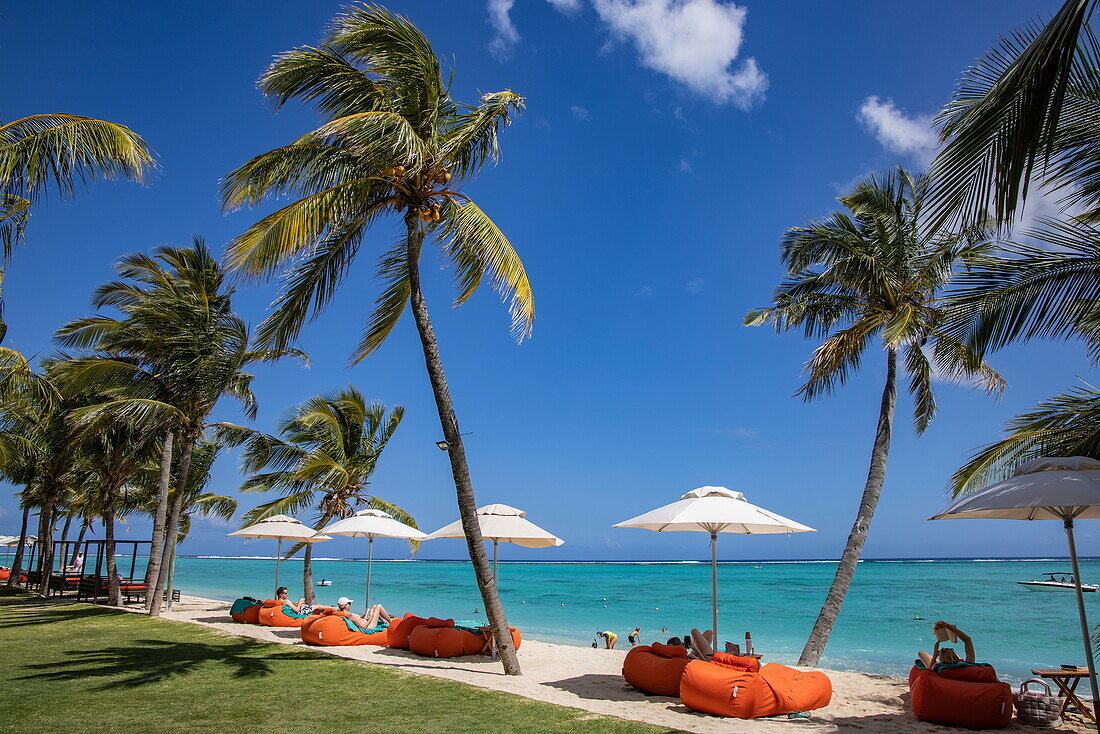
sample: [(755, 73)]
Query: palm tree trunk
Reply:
[(160, 519), (171, 533), (45, 540), (79, 539), (65, 528), (17, 563), (307, 566), (876, 475), (114, 595), (460, 470)]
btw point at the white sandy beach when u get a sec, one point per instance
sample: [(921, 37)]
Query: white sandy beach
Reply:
[(590, 679)]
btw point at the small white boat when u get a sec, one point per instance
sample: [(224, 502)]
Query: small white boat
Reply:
[(324, 582), (1055, 581)]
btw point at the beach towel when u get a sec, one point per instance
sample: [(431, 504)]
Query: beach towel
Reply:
[(382, 624), (472, 626), (243, 603)]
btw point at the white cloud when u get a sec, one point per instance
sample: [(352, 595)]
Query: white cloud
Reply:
[(646, 290), (581, 113), (693, 41), (898, 132), (685, 166), (695, 285), (565, 5), (506, 33), (744, 432)]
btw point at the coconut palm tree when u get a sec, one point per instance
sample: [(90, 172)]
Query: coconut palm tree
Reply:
[(867, 279), (1024, 118), (59, 152), (395, 143), (174, 353), (323, 458)]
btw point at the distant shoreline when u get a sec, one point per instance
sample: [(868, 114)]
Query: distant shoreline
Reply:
[(768, 561)]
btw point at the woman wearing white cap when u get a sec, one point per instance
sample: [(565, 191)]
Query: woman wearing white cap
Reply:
[(370, 619)]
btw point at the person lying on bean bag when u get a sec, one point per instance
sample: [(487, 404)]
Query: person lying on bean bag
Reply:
[(370, 619), (945, 689), (336, 627)]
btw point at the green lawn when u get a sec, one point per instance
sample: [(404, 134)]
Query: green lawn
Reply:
[(74, 668)]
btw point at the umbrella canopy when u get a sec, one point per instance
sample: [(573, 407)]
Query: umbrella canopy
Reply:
[(502, 524), (714, 510), (13, 540), (1063, 489), (371, 524), (280, 528)]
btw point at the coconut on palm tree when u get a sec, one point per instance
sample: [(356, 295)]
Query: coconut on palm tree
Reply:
[(165, 364), (870, 281), (396, 146), (323, 458), (58, 152)]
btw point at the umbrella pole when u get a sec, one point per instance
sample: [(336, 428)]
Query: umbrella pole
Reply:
[(496, 543), (370, 563), (1081, 612), (278, 558), (714, 589)]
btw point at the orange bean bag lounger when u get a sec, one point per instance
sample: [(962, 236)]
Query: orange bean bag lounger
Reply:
[(333, 627), (276, 614), (963, 694), (740, 688), (444, 638), (400, 629), (246, 610), (656, 669)]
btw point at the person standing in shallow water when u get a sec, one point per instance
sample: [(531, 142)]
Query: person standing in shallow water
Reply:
[(609, 639), (635, 637)]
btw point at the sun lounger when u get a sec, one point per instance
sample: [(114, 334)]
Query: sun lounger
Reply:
[(960, 694), (656, 669), (333, 627)]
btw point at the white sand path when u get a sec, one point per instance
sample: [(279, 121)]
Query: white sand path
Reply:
[(591, 679)]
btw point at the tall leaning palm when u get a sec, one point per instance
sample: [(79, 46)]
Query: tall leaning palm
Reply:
[(395, 145), (59, 152), (322, 459), (865, 280)]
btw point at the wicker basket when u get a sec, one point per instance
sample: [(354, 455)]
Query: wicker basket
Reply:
[(1038, 709)]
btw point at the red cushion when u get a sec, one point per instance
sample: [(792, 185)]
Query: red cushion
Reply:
[(952, 702), (667, 651), (650, 672)]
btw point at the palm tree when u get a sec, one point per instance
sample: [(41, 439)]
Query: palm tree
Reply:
[(395, 142), (166, 363), (871, 275), (58, 151), (1024, 117), (323, 458)]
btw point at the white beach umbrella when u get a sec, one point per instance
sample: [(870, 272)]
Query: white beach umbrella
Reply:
[(1065, 489), (714, 510), (280, 528), (502, 524), (371, 524)]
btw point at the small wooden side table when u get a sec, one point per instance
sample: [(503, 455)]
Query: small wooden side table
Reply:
[(1067, 681)]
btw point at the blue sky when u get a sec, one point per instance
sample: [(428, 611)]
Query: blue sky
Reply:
[(664, 150)]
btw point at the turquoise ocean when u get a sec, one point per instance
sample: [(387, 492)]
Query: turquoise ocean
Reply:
[(1013, 627)]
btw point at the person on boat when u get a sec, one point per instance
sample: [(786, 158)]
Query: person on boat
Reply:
[(635, 637), (299, 607), (609, 639), (369, 619), (947, 654)]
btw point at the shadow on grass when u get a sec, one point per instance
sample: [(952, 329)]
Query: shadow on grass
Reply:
[(153, 661), (20, 609)]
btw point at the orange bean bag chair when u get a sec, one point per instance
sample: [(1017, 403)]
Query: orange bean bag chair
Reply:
[(276, 614), (330, 628), (734, 686), (246, 611), (656, 669), (439, 638), (400, 630), (964, 694)]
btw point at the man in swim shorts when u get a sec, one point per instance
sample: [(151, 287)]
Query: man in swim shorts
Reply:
[(609, 639), (635, 637)]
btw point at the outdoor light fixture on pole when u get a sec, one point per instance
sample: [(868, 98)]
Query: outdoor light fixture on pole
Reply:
[(443, 445)]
